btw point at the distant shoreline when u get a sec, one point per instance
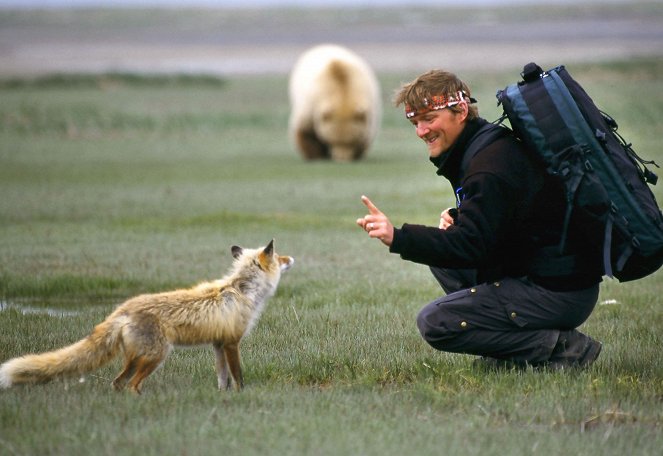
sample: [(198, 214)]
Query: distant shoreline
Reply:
[(276, 3), (268, 41)]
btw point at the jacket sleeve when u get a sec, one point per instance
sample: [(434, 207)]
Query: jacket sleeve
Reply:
[(483, 221)]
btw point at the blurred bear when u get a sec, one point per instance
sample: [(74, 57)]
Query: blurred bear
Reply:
[(335, 104)]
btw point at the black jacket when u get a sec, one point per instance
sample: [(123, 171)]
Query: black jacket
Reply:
[(510, 212)]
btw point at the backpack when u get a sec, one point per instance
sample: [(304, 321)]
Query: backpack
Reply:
[(605, 182)]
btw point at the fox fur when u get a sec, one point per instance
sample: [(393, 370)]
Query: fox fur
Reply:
[(145, 328)]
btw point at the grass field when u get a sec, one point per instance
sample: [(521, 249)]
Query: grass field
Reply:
[(116, 185)]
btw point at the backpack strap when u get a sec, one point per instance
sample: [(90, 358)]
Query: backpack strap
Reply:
[(542, 108), (486, 135), (607, 243)]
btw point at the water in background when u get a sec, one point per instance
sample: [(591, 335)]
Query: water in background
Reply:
[(263, 3)]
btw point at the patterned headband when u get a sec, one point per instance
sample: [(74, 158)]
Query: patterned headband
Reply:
[(438, 102)]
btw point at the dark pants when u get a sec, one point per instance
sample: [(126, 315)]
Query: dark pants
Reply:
[(511, 319)]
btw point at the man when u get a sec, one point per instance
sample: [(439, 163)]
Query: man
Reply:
[(514, 294)]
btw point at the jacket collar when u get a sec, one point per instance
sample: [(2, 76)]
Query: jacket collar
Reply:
[(448, 163)]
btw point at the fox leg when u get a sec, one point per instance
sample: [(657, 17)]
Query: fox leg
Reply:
[(232, 358), (145, 348), (221, 366), (127, 372), (145, 365)]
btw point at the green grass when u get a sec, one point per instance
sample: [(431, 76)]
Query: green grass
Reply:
[(110, 190)]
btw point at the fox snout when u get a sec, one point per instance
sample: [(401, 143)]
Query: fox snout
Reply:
[(286, 262)]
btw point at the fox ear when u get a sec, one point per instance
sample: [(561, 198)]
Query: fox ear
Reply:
[(236, 251), (269, 250), (266, 257)]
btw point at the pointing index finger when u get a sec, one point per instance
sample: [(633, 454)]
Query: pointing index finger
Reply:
[(369, 204)]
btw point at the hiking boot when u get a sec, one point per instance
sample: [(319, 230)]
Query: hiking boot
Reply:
[(573, 349)]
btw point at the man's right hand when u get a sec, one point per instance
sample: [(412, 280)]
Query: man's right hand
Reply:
[(447, 217)]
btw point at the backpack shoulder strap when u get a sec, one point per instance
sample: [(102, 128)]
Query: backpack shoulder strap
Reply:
[(487, 134)]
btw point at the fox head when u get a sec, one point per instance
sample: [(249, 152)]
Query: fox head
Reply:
[(267, 258)]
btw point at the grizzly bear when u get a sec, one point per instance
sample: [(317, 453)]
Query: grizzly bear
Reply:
[(335, 104)]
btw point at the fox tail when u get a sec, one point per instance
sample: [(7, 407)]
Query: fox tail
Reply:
[(83, 356)]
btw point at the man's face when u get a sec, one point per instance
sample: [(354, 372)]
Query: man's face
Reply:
[(439, 129)]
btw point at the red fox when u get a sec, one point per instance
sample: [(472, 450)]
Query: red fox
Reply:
[(145, 328)]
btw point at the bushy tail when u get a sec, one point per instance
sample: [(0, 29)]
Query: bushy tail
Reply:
[(83, 356)]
